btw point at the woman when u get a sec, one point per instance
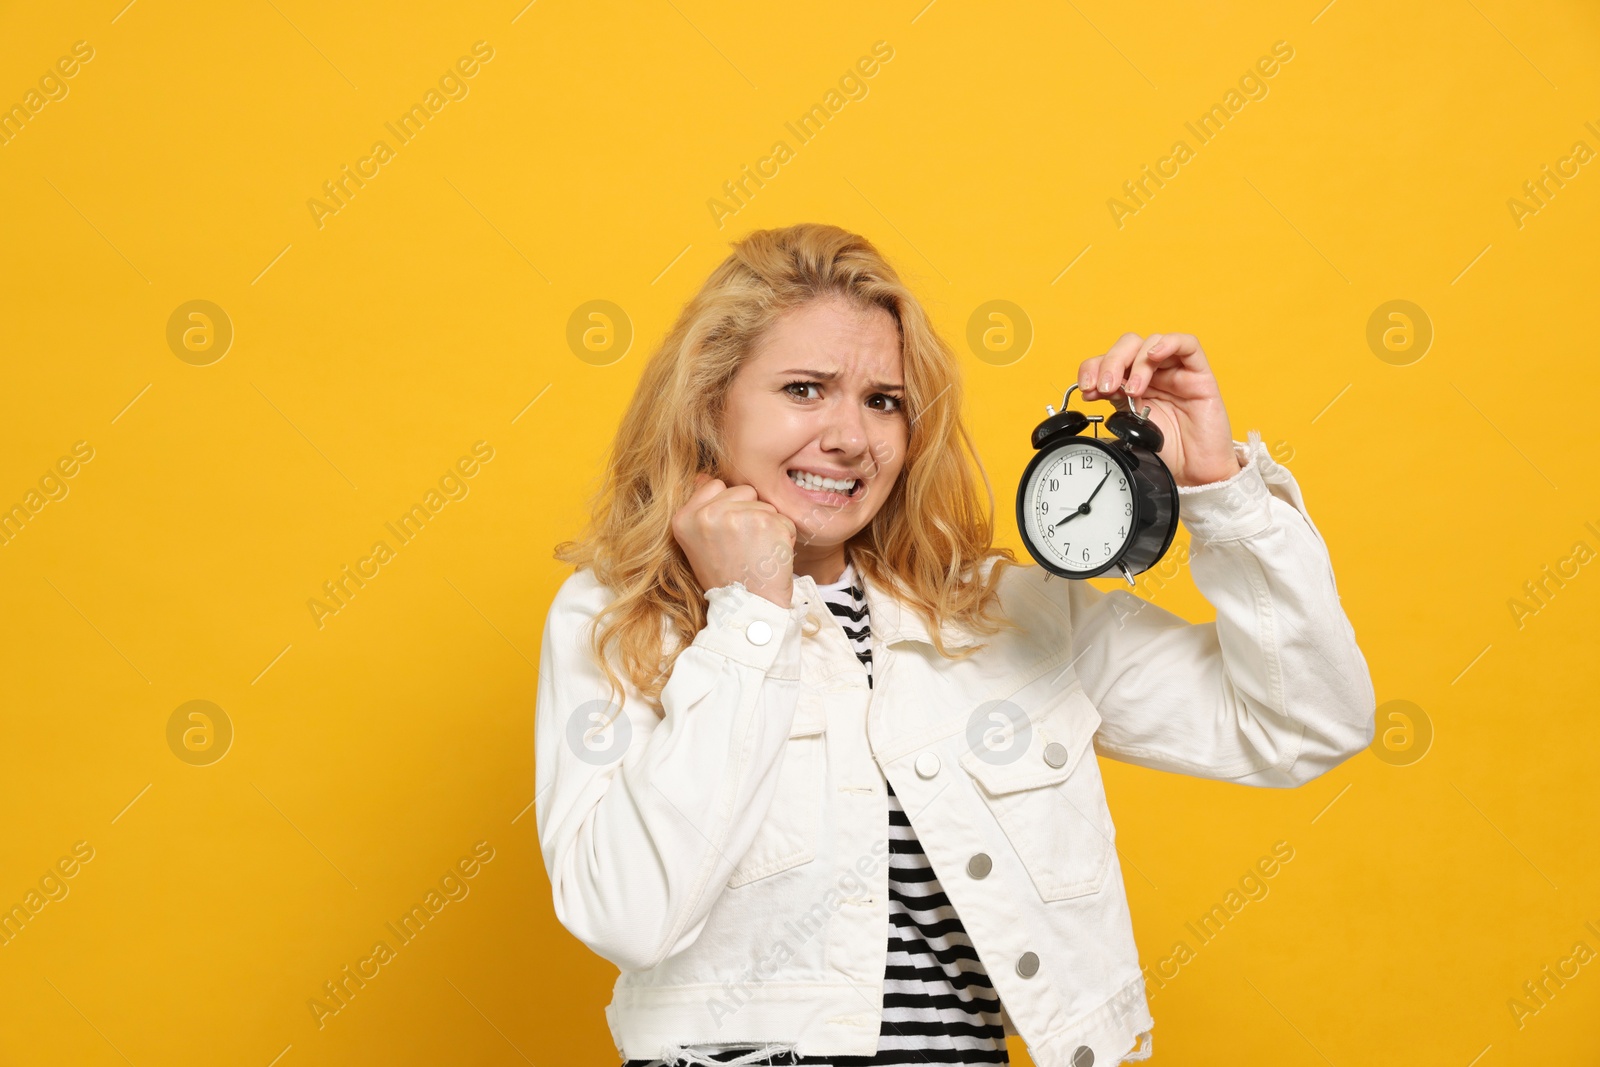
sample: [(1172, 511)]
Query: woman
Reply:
[(811, 749)]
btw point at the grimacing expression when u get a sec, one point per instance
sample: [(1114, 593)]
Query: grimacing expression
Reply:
[(814, 419)]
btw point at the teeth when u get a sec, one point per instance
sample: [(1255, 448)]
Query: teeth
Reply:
[(811, 481)]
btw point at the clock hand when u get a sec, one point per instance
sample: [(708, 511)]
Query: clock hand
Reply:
[(1097, 488), (1083, 508)]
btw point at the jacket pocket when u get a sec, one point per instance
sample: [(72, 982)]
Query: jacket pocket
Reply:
[(788, 837), (1050, 800)]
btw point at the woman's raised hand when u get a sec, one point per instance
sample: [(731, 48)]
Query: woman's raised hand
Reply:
[(1169, 373), (728, 535)]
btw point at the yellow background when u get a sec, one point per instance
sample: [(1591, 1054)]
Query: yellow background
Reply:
[(431, 312)]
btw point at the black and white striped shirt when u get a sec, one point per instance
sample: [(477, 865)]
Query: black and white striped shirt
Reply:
[(938, 1003)]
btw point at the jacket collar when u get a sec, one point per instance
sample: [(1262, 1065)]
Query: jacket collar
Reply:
[(892, 620)]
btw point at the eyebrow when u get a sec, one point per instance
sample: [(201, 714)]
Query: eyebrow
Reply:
[(829, 376)]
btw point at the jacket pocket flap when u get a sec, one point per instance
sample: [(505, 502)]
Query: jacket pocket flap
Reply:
[(1059, 734)]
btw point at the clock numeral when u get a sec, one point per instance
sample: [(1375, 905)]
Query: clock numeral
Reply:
[(1127, 507), (1087, 462), (1122, 483), (1055, 484), (1086, 555), (1050, 533), (1044, 507)]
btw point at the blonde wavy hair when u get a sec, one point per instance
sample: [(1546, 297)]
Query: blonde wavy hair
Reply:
[(925, 543)]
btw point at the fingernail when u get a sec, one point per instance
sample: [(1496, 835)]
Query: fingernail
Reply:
[(1105, 384)]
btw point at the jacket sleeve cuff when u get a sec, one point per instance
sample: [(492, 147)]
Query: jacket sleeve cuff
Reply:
[(752, 630), (1235, 507)]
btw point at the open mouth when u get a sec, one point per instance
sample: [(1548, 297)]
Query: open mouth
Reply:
[(847, 487)]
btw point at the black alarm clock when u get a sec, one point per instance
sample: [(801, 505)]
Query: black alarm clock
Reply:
[(1086, 505)]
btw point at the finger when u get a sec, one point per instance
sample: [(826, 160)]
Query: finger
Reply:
[(733, 498), (1107, 369), (767, 514), (1114, 367), (1139, 372), (1089, 376), (1182, 348), (706, 487), (757, 504), (735, 493), (1087, 371)]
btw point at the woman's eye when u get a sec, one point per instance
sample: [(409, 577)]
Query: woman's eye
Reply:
[(895, 403)]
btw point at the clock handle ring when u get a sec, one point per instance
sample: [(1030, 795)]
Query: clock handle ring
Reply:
[(1140, 415)]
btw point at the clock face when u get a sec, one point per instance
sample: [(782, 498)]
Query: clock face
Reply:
[(1078, 507)]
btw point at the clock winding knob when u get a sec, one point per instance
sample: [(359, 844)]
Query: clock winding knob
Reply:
[(1135, 429)]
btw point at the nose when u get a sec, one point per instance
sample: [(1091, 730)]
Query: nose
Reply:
[(845, 430)]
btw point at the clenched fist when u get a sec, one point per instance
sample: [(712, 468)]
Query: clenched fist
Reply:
[(728, 535)]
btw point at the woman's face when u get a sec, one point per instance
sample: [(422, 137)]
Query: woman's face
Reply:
[(820, 397)]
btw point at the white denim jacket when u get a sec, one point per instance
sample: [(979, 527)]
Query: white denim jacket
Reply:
[(731, 857)]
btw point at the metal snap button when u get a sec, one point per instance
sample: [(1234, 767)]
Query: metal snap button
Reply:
[(927, 765), (1028, 965), (758, 632), (1055, 754), (1084, 1057), (980, 865)]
